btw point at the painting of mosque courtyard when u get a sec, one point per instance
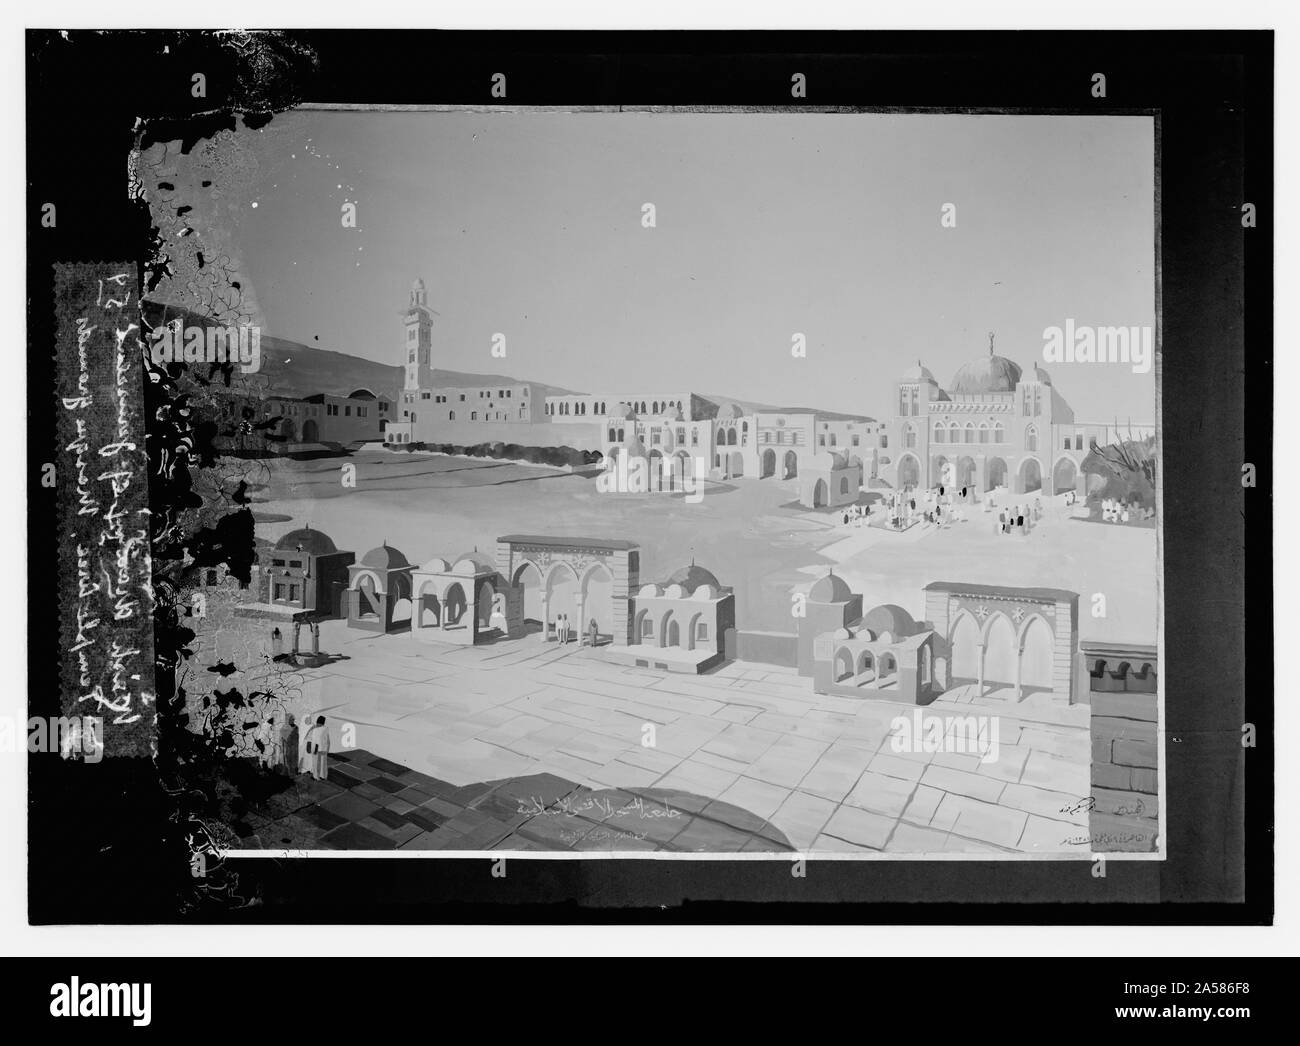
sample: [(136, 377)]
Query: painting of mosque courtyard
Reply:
[(589, 490)]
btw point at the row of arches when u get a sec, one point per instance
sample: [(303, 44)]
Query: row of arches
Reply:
[(1001, 654), (965, 473), (675, 627), (561, 589), (867, 669)]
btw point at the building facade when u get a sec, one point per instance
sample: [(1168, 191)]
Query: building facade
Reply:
[(995, 425)]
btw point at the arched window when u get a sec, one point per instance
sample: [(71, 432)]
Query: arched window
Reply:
[(940, 433), (909, 436), (620, 435), (1031, 438), (952, 432), (969, 434), (844, 484), (654, 407), (451, 415), (611, 436), (984, 431), (999, 434)]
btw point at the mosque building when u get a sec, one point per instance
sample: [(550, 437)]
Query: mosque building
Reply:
[(995, 425)]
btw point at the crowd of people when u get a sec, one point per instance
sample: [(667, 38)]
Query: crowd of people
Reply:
[(280, 749), (900, 509), (1019, 519)]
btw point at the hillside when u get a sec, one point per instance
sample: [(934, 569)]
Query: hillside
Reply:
[(290, 368), (293, 369)]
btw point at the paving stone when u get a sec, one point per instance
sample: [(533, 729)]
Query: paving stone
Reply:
[(991, 824), (441, 807), (892, 766), (1009, 764), (957, 761), (387, 766), (836, 773), (426, 819), (860, 826), (1060, 775), (321, 817), (650, 759), (925, 801), (708, 782), (368, 791), (350, 806), (802, 817), (387, 784), (389, 818), (911, 838), (881, 794), (976, 786), (758, 797)]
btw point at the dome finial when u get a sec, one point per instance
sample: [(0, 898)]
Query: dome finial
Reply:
[(991, 337)]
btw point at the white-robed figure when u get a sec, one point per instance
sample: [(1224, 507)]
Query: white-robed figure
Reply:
[(317, 748)]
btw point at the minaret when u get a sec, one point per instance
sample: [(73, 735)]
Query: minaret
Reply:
[(418, 352)]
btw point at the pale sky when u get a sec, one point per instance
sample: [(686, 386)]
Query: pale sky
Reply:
[(768, 224)]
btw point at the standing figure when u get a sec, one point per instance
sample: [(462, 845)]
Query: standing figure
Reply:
[(318, 747), (288, 739)]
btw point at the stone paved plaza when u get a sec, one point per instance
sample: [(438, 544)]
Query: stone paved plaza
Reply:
[(548, 740)]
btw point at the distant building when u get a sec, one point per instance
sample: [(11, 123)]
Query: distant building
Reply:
[(575, 405), (671, 448), (993, 426), (830, 479)]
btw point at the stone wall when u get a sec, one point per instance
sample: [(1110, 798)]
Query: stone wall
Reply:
[(1125, 747)]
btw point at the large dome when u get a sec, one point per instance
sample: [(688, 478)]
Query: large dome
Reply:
[(692, 577), (890, 618), (313, 542), (385, 557), (830, 589), (987, 374)]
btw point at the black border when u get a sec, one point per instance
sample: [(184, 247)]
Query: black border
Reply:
[(1213, 92)]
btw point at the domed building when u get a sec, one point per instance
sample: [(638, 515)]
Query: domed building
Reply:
[(379, 591), (680, 624), (463, 599), (304, 572), (996, 425)]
